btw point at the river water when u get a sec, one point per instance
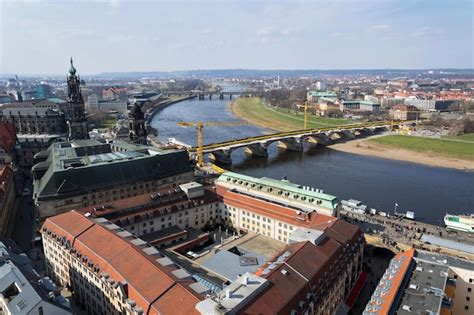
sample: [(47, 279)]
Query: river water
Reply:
[(379, 183)]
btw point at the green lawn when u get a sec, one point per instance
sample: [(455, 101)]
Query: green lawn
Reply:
[(282, 119), (108, 123), (443, 147), (464, 137)]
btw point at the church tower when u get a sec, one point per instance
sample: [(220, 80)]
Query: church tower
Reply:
[(77, 121), (136, 125)]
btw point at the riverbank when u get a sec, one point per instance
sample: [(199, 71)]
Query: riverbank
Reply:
[(375, 149), (159, 107), (253, 110)]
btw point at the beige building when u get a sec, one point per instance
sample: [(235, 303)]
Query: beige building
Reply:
[(142, 215), (110, 271)]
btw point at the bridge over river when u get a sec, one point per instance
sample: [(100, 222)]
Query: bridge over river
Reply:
[(292, 140)]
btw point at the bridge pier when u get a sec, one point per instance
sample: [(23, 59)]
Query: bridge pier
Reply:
[(230, 96), (336, 135), (221, 96), (292, 144), (257, 149), (210, 96), (201, 96), (221, 156), (320, 138), (348, 134)]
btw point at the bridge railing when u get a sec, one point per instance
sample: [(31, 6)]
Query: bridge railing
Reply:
[(296, 133)]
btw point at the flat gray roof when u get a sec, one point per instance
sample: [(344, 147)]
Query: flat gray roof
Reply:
[(423, 292), (231, 266), (447, 243)]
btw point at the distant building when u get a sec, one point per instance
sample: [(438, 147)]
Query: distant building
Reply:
[(112, 105), (404, 112), (7, 198), (28, 95), (35, 120), (75, 174), (6, 98), (419, 282), (115, 93), (43, 91), (320, 86), (22, 290), (429, 105), (314, 96), (388, 102), (92, 102), (359, 105)]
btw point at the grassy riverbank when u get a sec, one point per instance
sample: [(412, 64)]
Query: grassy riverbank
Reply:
[(464, 137), (253, 110), (443, 147)]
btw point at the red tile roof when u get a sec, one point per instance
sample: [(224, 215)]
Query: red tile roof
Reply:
[(289, 280), (148, 282), (278, 212)]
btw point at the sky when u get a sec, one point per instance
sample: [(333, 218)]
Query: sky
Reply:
[(38, 37)]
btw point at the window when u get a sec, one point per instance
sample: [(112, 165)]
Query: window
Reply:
[(469, 289), (466, 307), (468, 298)]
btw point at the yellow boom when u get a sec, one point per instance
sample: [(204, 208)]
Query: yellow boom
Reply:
[(199, 125)]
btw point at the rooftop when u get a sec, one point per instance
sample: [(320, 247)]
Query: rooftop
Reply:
[(424, 291), (21, 288), (80, 166), (280, 189), (384, 297), (107, 249)]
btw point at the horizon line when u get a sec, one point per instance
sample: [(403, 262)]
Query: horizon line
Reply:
[(243, 69)]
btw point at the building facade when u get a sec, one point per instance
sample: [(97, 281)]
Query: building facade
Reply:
[(76, 174), (93, 259), (22, 290), (7, 199), (151, 213), (404, 112), (418, 282), (35, 120), (7, 142)]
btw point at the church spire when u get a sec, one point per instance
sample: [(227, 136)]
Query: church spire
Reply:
[(72, 70)]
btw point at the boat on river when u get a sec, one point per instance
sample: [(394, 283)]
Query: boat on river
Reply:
[(464, 223), (353, 205)]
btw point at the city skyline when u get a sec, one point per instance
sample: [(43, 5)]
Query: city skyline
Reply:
[(121, 36)]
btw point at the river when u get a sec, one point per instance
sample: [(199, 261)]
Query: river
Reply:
[(379, 183)]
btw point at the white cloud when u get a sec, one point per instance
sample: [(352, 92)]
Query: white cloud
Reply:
[(380, 28), (427, 31)]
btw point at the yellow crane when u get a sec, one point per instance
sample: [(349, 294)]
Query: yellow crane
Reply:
[(306, 105), (200, 125)]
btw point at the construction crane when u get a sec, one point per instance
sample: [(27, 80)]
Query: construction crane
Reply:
[(306, 106), (200, 125)]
